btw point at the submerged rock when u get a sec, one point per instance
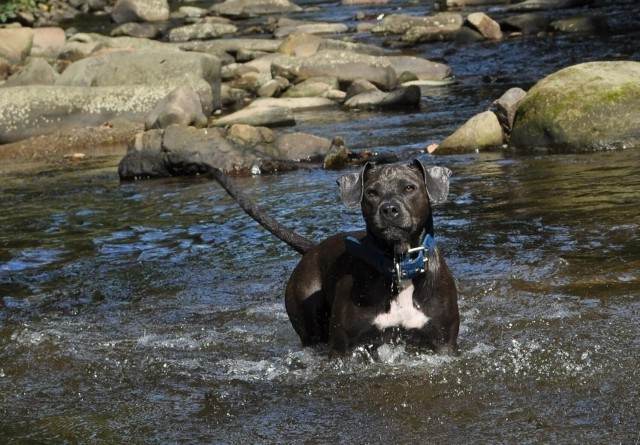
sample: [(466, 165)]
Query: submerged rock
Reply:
[(337, 156)]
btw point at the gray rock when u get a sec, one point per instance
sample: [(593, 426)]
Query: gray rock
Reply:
[(485, 25), (232, 96), (201, 31), (35, 110), (48, 41), (482, 131), (192, 11), (273, 87), (258, 116), (36, 71), (399, 98), (245, 8), (437, 23), (250, 136), (144, 158), (313, 87), (223, 46), (147, 67), (311, 28), (505, 109), (301, 147), (15, 44), (294, 103), (584, 107), (145, 30), (140, 11), (181, 150), (360, 48), (423, 69), (346, 66), (420, 34), (186, 150), (181, 106)]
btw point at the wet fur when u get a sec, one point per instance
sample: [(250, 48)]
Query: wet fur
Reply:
[(335, 297)]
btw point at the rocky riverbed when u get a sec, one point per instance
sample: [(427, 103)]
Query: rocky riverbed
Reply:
[(226, 83)]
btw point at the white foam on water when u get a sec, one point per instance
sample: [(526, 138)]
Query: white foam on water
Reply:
[(182, 343), (26, 337), (272, 310)]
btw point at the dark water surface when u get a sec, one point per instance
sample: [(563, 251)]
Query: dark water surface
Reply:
[(152, 312)]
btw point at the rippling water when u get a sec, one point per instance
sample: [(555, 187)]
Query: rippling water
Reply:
[(152, 312)]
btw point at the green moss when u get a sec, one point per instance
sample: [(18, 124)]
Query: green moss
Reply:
[(10, 9)]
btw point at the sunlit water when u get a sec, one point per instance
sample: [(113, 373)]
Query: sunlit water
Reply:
[(152, 312)]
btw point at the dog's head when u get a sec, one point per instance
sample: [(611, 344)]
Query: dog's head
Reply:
[(396, 200)]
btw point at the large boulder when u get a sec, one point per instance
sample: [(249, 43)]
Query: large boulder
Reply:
[(147, 67), (585, 107), (28, 111)]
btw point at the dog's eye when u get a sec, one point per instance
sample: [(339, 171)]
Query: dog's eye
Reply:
[(372, 193), (409, 188)]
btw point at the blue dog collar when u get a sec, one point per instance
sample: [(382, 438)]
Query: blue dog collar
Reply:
[(402, 268), (408, 267)]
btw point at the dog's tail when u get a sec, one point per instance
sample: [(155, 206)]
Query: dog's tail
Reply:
[(297, 242)]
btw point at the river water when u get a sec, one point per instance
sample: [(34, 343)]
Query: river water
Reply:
[(152, 312)]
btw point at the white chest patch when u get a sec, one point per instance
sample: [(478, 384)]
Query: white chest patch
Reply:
[(402, 313)]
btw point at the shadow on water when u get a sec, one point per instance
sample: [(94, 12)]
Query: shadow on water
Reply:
[(152, 312)]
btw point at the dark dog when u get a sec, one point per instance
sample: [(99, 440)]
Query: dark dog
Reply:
[(387, 282)]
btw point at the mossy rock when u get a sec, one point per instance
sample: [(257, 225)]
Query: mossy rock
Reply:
[(585, 107)]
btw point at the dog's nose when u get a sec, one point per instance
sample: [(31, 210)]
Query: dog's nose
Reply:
[(390, 211)]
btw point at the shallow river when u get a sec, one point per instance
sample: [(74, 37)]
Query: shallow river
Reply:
[(152, 312)]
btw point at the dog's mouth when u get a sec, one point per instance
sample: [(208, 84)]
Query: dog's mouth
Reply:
[(395, 239)]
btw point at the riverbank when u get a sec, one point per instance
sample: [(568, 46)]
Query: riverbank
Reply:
[(481, 69)]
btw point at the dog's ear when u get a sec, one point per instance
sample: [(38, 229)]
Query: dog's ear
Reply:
[(351, 187), (437, 181)]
